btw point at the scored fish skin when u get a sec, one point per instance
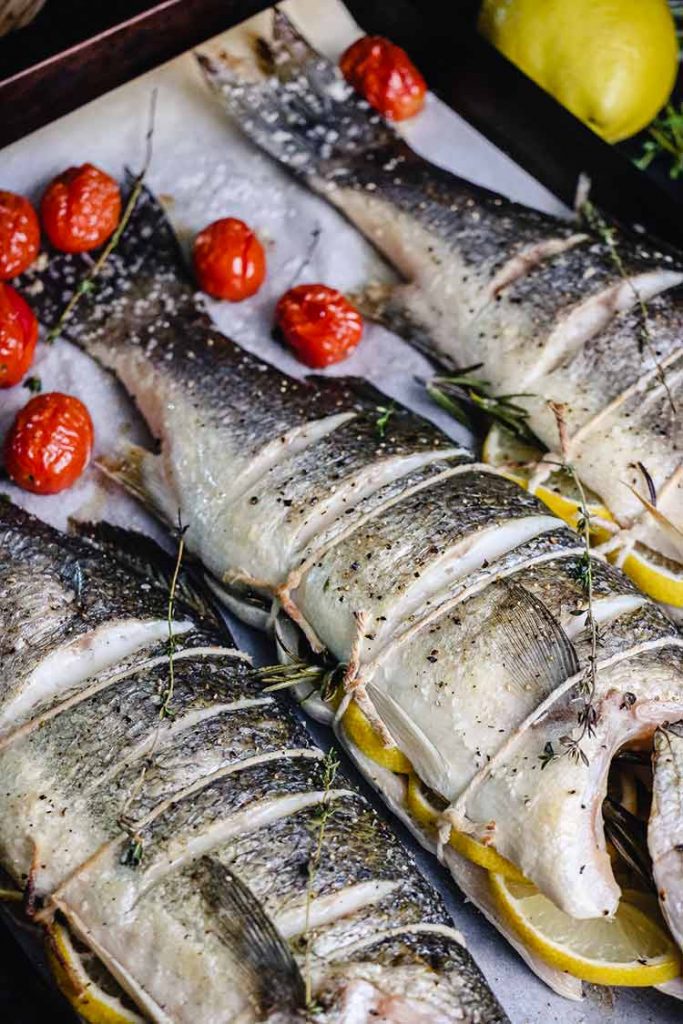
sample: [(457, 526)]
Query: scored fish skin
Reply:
[(394, 580), (228, 786), (539, 303)]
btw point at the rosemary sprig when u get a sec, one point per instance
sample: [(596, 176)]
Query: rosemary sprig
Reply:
[(385, 414), (456, 392), (166, 711), (327, 808), (132, 854), (11, 896), (587, 715), (87, 282), (665, 138), (324, 677), (607, 233)]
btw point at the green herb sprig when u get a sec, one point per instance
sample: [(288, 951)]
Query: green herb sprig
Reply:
[(665, 139), (327, 808), (456, 392), (608, 234), (87, 282), (587, 715)]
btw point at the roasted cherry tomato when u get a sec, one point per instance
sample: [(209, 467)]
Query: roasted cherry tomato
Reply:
[(80, 209), (229, 260), (18, 336), (19, 235), (48, 445), (319, 324), (385, 76)]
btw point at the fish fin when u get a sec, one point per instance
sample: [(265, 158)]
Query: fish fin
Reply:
[(142, 474), (396, 307), (304, 114), (262, 956), (543, 656), (155, 565)]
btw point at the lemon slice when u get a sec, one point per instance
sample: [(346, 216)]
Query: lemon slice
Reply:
[(358, 728), (90, 1001), (628, 949), (559, 492), (426, 813), (657, 576)]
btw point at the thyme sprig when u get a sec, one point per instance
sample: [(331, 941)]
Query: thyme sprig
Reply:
[(587, 715), (608, 234), (87, 282), (385, 414), (665, 138), (166, 711), (456, 392), (327, 808)]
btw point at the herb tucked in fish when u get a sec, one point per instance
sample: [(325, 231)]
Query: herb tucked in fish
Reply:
[(178, 848), (447, 609), (551, 311)]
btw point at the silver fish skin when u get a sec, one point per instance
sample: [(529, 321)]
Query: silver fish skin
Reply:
[(665, 836), (550, 310), (178, 848), (453, 597)]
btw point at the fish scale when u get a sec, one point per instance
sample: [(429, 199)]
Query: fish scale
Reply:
[(226, 792), (469, 534), (524, 296)]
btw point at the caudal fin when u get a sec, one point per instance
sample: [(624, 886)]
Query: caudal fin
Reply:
[(302, 112)]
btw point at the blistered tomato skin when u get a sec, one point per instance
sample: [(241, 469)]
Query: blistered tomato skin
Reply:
[(385, 76), (80, 209), (18, 336), (319, 324), (229, 261), (19, 235), (49, 444)]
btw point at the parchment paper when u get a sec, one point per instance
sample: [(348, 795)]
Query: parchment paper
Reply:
[(206, 169)]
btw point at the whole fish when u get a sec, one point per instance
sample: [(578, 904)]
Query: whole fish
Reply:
[(456, 604), (553, 312), (181, 821)]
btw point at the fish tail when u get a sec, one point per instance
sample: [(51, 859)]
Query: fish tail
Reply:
[(302, 111), (145, 264)]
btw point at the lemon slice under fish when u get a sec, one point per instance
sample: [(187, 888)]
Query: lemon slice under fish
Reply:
[(558, 491), (658, 577), (90, 1001), (425, 813), (629, 949), (360, 731)]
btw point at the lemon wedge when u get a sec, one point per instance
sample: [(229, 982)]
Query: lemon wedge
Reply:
[(658, 577), (88, 998), (613, 63), (360, 731), (629, 949), (517, 458), (424, 812)]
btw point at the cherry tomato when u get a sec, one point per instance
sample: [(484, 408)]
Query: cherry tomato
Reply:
[(18, 336), (48, 445), (80, 209), (229, 260), (319, 324), (385, 76), (19, 235)]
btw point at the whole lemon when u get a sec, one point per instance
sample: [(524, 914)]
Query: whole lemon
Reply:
[(613, 63)]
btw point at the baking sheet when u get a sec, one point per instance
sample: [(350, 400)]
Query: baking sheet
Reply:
[(205, 169)]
